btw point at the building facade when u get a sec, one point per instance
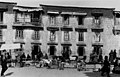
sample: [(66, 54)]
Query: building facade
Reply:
[(59, 30), (6, 22)]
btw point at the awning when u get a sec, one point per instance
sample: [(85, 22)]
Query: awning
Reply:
[(27, 9), (77, 13), (10, 46), (69, 13), (51, 12)]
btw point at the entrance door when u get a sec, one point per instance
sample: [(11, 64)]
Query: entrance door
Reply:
[(97, 50), (66, 52), (52, 50), (35, 51), (97, 54), (80, 51)]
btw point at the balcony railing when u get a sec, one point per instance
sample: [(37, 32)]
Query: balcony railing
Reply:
[(33, 21)]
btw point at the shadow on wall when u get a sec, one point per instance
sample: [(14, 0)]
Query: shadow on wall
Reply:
[(98, 74)]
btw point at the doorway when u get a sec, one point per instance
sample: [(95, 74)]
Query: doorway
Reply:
[(35, 51), (81, 51), (52, 50), (66, 52)]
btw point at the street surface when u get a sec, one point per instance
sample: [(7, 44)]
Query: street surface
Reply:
[(43, 72)]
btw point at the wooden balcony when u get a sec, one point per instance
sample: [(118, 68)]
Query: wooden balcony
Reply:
[(32, 21)]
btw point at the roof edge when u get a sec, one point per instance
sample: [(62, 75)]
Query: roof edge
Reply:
[(27, 7), (65, 6), (9, 2)]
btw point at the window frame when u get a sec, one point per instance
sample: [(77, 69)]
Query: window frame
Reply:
[(80, 36), (1, 16), (66, 36), (97, 20), (52, 19), (36, 35), (19, 34), (66, 19), (22, 17), (52, 36), (1, 34), (97, 37)]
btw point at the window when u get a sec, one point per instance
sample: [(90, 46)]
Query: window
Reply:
[(66, 36), (97, 37), (117, 21), (1, 16), (19, 34), (35, 16), (52, 20), (96, 20), (66, 20), (52, 36), (36, 35), (1, 36), (22, 17), (80, 20), (81, 36)]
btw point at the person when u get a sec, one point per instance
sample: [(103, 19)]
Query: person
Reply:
[(116, 68), (3, 62), (116, 63), (9, 59), (111, 54), (106, 67), (39, 56), (114, 54), (22, 58), (100, 58)]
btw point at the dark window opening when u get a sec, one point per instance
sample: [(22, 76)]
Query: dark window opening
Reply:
[(66, 20), (80, 20), (52, 50), (81, 51), (1, 17)]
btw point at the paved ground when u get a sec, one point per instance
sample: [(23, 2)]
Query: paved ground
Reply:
[(43, 72)]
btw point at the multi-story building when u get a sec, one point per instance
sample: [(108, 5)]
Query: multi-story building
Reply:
[(81, 30), (6, 18), (27, 28), (63, 29)]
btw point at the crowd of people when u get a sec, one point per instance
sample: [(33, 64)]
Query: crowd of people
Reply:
[(98, 58), (60, 60)]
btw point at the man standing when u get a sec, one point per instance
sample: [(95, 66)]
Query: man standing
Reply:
[(106, 67), (3, 62)]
